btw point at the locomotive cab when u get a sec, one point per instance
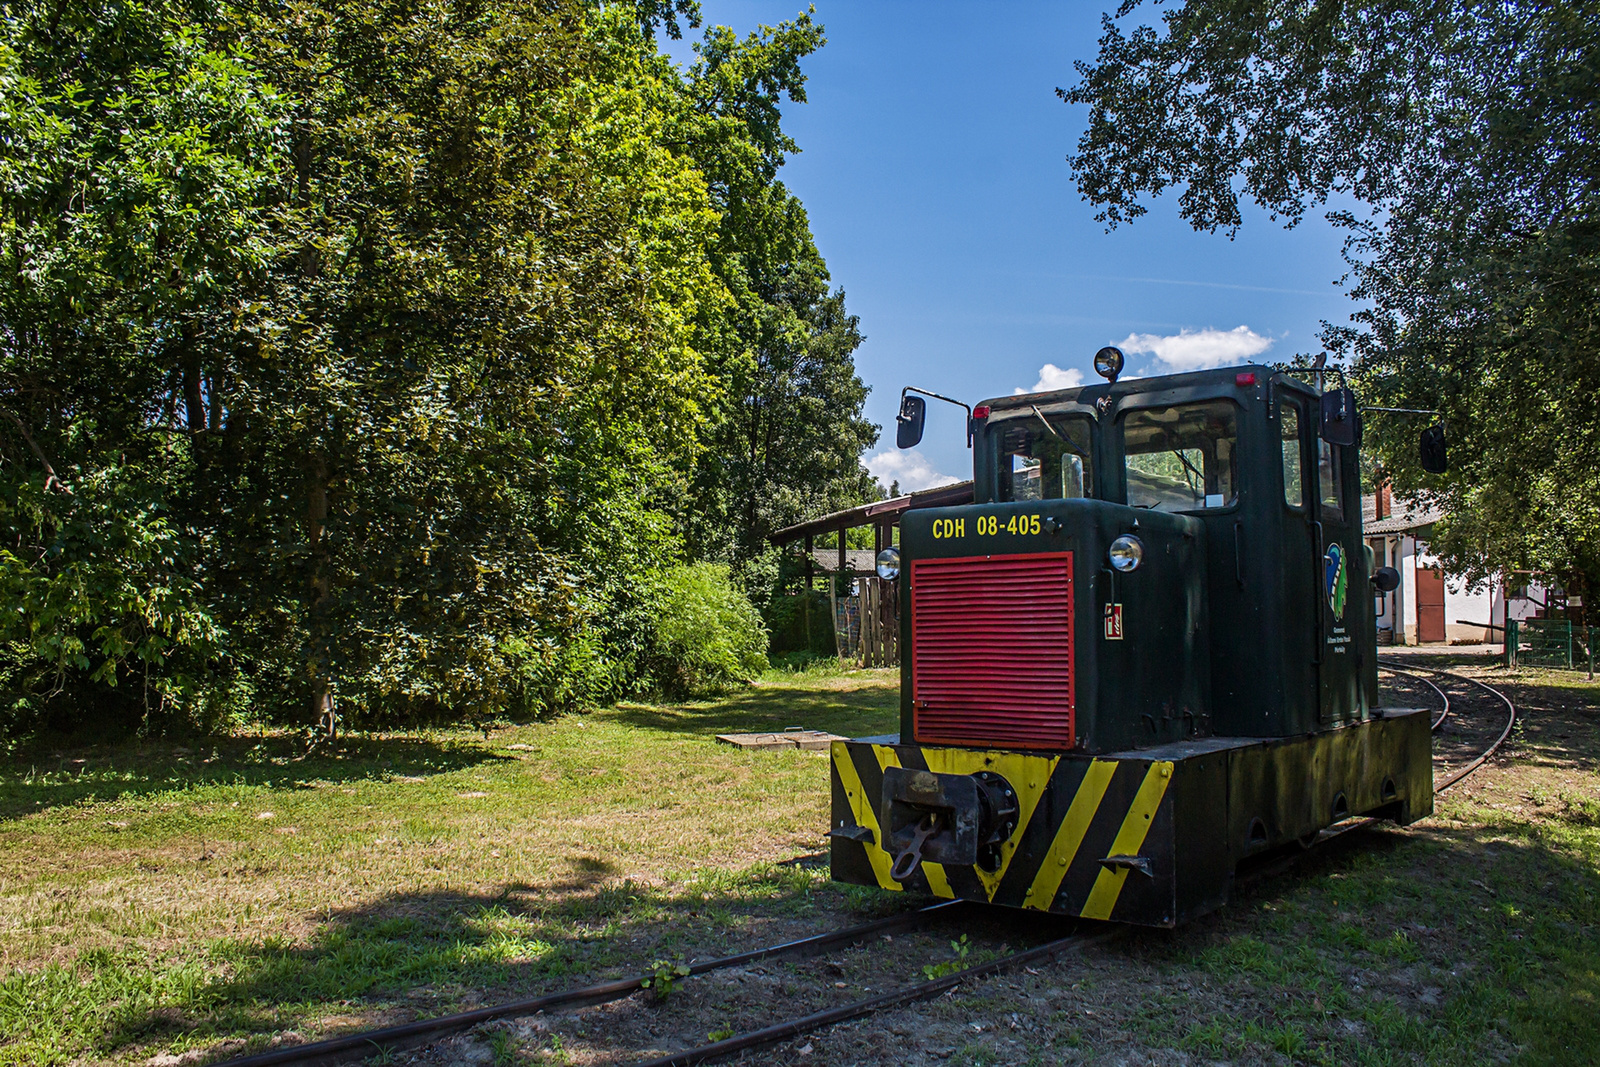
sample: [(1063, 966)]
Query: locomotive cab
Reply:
[(1143, 653)]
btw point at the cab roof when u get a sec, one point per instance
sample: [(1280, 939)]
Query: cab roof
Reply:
[(1085, 396)]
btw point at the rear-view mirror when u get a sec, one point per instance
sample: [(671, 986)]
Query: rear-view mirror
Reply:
[(913, 412), (1431, 449), (1341, 418)]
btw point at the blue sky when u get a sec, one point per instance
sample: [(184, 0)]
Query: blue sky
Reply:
[(933, 168)]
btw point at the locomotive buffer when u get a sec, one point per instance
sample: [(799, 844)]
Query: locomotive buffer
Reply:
[(1144, 653)]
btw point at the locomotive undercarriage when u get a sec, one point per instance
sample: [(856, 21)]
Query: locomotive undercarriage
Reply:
[(1149, 836)]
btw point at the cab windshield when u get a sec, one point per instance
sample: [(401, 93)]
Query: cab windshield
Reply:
[(1045, 457), (1182, 458)]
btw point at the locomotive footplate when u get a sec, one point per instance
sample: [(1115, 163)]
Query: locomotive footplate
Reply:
[(1148, 836)]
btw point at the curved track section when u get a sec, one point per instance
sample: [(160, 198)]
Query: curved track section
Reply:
[(1499, 739), (361, 1045), (796, 1027), (1444, 698)]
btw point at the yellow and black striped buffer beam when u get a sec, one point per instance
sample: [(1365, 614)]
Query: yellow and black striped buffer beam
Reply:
[(1093, 837)]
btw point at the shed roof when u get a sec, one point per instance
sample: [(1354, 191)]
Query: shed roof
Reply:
[(878, 511), (856, 560)]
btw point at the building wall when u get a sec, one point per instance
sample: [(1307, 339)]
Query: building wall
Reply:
[(1390, 607), (1398, 610)]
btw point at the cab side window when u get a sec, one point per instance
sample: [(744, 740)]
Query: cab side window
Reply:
[(1328, 480), (1046, 461), (1294, 490)]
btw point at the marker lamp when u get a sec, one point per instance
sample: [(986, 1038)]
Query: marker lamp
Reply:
[(1126, 553), (889, 564)]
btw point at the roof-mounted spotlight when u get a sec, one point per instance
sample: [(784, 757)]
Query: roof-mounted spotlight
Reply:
[(1108, 363)]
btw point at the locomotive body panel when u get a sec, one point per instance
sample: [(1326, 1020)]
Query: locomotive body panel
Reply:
[(1117, 702)]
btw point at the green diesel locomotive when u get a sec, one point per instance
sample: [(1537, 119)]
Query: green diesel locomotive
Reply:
[(1144, 653)]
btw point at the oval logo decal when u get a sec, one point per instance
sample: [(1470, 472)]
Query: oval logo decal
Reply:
[(1334, 572)]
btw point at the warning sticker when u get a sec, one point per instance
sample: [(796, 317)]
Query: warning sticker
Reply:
[(1113, 622)]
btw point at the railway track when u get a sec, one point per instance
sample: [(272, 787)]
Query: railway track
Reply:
[(1481, 724), (1444, 698), (1474, 735), (357, 1046)]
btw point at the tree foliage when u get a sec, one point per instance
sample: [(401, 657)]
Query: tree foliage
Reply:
[(1459, 143), (133, 153), (785, 433), (361, 360)]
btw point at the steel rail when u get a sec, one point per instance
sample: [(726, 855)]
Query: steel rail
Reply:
[(1486, 754), (856, 1009), (810, 1023), (365, 1043), (408, 1035), (1443, 696)]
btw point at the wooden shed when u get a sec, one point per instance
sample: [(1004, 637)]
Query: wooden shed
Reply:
[(866, 617)]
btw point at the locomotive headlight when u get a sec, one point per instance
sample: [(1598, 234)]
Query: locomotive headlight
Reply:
[(1126, 553), (1108, 363), (889, 564)]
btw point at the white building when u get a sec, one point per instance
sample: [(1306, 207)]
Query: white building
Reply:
[(1431, 605)]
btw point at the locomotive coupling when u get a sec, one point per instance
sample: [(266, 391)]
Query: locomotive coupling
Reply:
[(960, 819)]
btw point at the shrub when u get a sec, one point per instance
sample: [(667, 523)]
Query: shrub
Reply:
[(708, 636)]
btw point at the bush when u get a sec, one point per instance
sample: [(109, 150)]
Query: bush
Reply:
[(708, 636), (786, 622)]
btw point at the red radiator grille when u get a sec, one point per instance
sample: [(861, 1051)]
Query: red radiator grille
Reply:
[(991, 651)]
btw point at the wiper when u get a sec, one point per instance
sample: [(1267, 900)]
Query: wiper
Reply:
[(1047, 424), (1190, 468)]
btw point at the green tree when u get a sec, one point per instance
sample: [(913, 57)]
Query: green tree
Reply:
[(1458, 141), (358, 359), (361, 335), (785, 431), (134, 147), (472, 368)]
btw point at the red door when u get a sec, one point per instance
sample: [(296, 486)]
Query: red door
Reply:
[(1430, 604)]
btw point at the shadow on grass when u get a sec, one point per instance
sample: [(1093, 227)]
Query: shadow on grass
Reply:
[(409, 956), (1503, 914), (871, 709), (28, 787)]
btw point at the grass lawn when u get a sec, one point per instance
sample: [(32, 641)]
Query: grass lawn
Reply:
[(158, 901)]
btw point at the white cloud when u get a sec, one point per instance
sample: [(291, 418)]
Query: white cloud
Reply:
[(1199, 349), (908, 467), (1052, 377)]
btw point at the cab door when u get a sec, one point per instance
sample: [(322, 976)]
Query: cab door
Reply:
[(1340, 575), (1300, 571)]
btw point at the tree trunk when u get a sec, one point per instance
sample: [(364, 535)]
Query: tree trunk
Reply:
[(318, 657), (193, 401)]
